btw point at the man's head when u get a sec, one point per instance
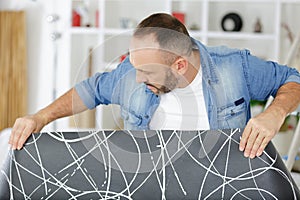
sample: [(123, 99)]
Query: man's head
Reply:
[(159, 50)]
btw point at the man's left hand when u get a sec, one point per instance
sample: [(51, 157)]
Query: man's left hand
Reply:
[(258, 133)]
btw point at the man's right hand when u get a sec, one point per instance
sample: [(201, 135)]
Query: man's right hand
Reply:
[(66, 105), (24, 127)]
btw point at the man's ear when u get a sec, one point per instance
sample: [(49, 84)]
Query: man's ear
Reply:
[(181, 65)]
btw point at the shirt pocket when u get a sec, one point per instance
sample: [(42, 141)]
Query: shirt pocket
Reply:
[(130, 117), (233, 115)]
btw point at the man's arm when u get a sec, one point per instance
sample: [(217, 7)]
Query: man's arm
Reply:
[(262, 128), (66, 105)]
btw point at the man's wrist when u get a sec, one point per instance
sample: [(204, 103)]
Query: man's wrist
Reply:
[(278, 112), (44, 117)]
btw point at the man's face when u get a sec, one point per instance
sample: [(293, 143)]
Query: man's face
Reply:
[(151, 68)]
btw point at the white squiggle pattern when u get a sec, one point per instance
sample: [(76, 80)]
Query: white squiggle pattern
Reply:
[(160, 161)]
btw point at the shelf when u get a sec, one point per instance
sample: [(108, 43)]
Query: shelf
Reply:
[(85, 30), (111, 66), (118, 31), (106, 66), (196, 33), (211, 34), (243, 1), (290, 1), (187, 1), (239, 35), (93, 30)]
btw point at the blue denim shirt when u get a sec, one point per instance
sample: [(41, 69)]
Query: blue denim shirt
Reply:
[(231, 78)]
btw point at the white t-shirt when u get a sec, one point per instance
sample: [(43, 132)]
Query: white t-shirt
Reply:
[(182, 109)]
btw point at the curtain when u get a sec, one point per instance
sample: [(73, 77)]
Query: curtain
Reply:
[(13, 67)]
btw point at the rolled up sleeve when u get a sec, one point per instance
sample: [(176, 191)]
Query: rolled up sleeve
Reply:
[(99, 88), (87, 91), (264, 78)]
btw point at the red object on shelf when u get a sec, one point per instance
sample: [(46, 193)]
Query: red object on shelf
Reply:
[(97, 19), (76, 18), (122, 57), (180, 16)]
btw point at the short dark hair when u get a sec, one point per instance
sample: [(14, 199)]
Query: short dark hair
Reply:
[(162, 20), (170, 33)]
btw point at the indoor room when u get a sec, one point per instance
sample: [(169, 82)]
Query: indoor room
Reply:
[(73, 73)]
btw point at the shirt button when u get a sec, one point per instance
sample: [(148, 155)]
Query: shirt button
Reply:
[(232, 113)]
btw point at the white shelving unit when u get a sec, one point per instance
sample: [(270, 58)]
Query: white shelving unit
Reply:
[(109, 40)]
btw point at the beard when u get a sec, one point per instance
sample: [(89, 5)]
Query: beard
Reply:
[(170, 83)]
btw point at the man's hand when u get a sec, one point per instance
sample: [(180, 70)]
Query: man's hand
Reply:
[(23, 128), (262, 128), (258, 133), (66, 105)]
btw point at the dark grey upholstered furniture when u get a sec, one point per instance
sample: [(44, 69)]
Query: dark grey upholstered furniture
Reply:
[(143, 165)]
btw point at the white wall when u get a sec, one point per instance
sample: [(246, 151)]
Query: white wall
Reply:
[(39, 50), (290, 16)]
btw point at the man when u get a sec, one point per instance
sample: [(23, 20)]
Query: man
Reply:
[(172, 81)]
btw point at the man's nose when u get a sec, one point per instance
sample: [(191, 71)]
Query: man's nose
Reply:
[(140, 77)]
